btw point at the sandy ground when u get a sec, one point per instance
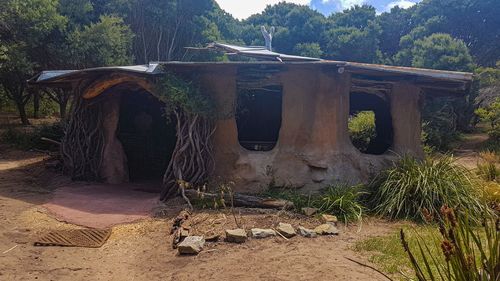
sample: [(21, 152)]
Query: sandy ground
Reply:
[(142, 250)]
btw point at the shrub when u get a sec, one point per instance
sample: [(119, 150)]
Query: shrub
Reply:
[(491, 115), (488, 170), (491, 191), (439, 129), (362, 129), (29, 139), (412, 185), (466, 253), (342, 200)]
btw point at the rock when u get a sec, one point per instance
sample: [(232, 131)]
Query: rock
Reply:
[(286, 230), (183, 233), (326, 229), (212, 237), (262, 233), (192, 245), (306, 232), (236, 235), (329, 219), (309, 211)]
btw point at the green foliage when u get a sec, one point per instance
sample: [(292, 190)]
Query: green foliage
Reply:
[(353, 44), (357, 16), (487, 168), (180, 93), (394, 25), (466, 252), (312, 50), (30, 21), (491, 115), (441, 51), (439, 128), (105, 43), (342, 200), (294, 24), (30, 138), (362, 129), (411, 185), (489, 76)]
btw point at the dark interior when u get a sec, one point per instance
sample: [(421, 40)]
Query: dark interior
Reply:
[(383, 120), (258, 117), (146, 135)]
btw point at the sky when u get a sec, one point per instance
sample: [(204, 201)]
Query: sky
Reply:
[(242, 9)]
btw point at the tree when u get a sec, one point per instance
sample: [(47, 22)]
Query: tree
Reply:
[(359, 17), (163, 28), (441, 51), (353, 44), (295, 24), (476, 22), (312, 50), (491, 115), (353, 35), (15, 69), (105, 43), (394, 25), (26, 29)]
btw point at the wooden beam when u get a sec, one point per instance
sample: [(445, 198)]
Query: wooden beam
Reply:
[(101, 85)]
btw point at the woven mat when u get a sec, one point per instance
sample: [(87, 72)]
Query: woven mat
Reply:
[(88, 238)]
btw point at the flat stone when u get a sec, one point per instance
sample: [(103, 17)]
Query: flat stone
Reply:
[(184, 233), (192, 245), (309, 211), (286, 230), (329, 218), (306, 232), (326, 229), (262, 233), (236, 235)]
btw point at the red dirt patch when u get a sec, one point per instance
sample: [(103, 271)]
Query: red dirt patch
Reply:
[(101, 206)]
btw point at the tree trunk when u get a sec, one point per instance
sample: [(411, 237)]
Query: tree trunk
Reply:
[(62, 108), (22, 113), (36, 104)]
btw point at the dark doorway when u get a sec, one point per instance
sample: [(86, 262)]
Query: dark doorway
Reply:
[(370, 123), (258, 117), (146, 135)]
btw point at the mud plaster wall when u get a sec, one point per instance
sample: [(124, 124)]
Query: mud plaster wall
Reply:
[(114, 168), (313, 148)]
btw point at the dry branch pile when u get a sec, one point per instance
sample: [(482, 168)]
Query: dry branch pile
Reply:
[(83, 143), (192, 160)]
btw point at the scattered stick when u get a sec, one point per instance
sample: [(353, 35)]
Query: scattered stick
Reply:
[(280, 234), (5, 252), (370, 267), (50, 141)]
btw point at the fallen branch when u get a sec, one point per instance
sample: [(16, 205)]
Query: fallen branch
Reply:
[(50, 141), (5, 252), (370, 267), (241, 200)]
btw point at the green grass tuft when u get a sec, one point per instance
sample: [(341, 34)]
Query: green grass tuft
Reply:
[(342, 200), (411, 185)]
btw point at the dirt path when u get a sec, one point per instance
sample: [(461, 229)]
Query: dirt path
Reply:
[(467, 152), (142, 251)]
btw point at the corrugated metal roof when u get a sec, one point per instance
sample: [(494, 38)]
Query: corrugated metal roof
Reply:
[(451, 81), (258, 52)]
